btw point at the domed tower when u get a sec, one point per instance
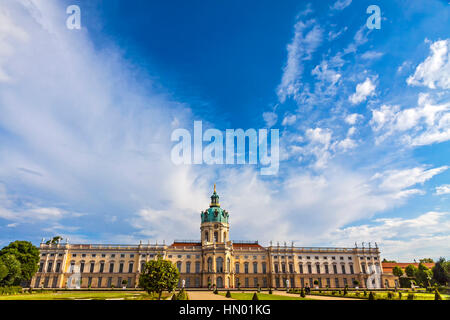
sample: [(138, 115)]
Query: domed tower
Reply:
[(214, 227)]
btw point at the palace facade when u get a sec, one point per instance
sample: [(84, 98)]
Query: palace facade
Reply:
[(213, 260)]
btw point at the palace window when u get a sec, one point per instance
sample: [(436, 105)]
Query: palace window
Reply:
[(188, 267), (336, 282), (283, 268), (219, 264), (276, 268), (291, 268), (345, 282), (49, 266), (333, 258), (179, 256), (246, 283), (82, 266), (113, 255), (236, 267), (264, 282), (308, 257), (349, 258), (246, 267), (342, 258), (179, 266), (255, 267), (316, 257), (99, 282), (318, 268), (343, 268), (326, 269), (93, 255), (300, 257), (309, 268), (41, 267), (334, 269), (300, 267), (102, 266), (264, 267), (210, 265), (92, 267), (255, 282), (363, 267), (103, 255), (197, 267), (142, 265), (111, 267), (58, 266), (109, 282), (52, 254), (351, 269), (121, 267), (122, 255), (188, 256), (216, 236), (131, 255), (130, 267), (83, 255), (228, 265)]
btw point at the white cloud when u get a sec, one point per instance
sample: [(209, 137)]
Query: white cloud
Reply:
[(402, 239), (353, 118), (307, 38), (444, 189), (434, 72), (425, 124), (341, 4), (270, 118), (363, 90), (371, 55), (403, 179), (289, 120)]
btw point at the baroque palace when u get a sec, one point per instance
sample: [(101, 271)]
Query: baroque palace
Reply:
[(214, 260)]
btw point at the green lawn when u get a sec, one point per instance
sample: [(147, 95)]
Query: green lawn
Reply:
[(383, 295), (83, 295), (261, 296)]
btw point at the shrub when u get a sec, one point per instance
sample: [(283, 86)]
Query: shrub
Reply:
[(437, 295), (228, 295), (333, 293), (216, 291), (302, 293), (390, 295), (270, 290), (365, 293), (399, 295), (181, 295), (371, 296), (255, 296), (10, 290), (410, 296), (357, 293), (345, 291)]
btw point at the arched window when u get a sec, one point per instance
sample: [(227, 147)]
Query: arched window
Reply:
[(228, 265), (216, 236), (206, 236), (188, 267), (179, 266), (210, 265), (219, 264), (236, 267)]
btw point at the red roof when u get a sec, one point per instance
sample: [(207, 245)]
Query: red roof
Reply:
[(247, 245), (185, 244), (388, 266)]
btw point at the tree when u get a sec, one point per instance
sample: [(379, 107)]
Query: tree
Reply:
[(255, 296), (389, 261), (441, 272), (411, 270), (12, 266), (423, 275), (159, 275), (55, 240), (426, 260), (28, 256), (355, 283), (397, 271)]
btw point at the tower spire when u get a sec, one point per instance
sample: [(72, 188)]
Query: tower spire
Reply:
[(214, 188)]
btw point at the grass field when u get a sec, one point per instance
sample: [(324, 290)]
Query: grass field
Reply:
[(84, 295), (383, 295), (261, 296)]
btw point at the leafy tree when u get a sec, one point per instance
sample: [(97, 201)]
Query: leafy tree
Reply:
[(423, 275), (3, 271), (437, 295), (411, 270), (355, 283), (389, 261), (426, 260), (397, 271), (441, 272), (28, 256), (12, 266), (159, 275), (54, 240)]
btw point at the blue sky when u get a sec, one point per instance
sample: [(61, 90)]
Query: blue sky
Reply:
[(363, 114)]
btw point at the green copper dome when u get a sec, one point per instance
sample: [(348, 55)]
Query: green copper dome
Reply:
[(215, 213)]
